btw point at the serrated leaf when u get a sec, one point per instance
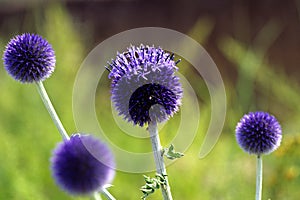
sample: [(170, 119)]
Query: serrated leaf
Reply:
[(171, 154), (152, 184), (147, 190)]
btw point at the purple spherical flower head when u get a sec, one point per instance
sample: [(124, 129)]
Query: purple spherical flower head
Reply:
[(258, 133), (82, 165), (28, 58), (144, 85)]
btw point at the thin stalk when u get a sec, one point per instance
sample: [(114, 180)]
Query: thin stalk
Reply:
[(51, 110), (259, 169), (158, 157), (107, 194)]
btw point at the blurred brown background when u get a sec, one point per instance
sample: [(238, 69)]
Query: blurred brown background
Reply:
[(97, 20)]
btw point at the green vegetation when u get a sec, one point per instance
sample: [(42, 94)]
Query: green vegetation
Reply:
[(227, 173)]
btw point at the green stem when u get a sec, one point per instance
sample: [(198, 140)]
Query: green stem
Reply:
[(158, 157), (51, 110), (259, 169), (107, 194)]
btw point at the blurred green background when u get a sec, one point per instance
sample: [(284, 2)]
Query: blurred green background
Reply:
[(255, 44)]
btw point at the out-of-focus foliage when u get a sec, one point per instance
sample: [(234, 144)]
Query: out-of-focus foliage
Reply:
[(28, 134)]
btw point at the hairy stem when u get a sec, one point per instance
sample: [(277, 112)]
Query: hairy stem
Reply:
[(107, 194), (158, 157), (51, 110), (259, 169)]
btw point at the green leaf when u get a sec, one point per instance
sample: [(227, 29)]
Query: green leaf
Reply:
[(171, 154), (152, 184)]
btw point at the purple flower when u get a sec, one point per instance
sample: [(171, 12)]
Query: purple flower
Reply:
[(258, 133), (28, 58), (82, 165), (144, 86)]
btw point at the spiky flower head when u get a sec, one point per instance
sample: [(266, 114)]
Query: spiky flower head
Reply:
[(28, 58), (258, 133), (144, 85), (82, 165)]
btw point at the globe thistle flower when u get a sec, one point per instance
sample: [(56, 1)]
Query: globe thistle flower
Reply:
[(82, 165), (258, 133), (144, 85), (28, 58)]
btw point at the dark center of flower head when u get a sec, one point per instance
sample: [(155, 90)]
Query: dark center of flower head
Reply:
[(151, 101), (144, 84)]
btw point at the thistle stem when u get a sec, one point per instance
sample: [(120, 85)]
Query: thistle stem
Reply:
[(158, 158), (51, 110), (107, 194), (259, 169)]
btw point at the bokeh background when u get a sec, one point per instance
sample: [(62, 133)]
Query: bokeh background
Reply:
[(255, 44)]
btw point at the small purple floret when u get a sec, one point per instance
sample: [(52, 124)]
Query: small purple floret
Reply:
[(258, 133), (144, 86), (82, 165), (29, 58)]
